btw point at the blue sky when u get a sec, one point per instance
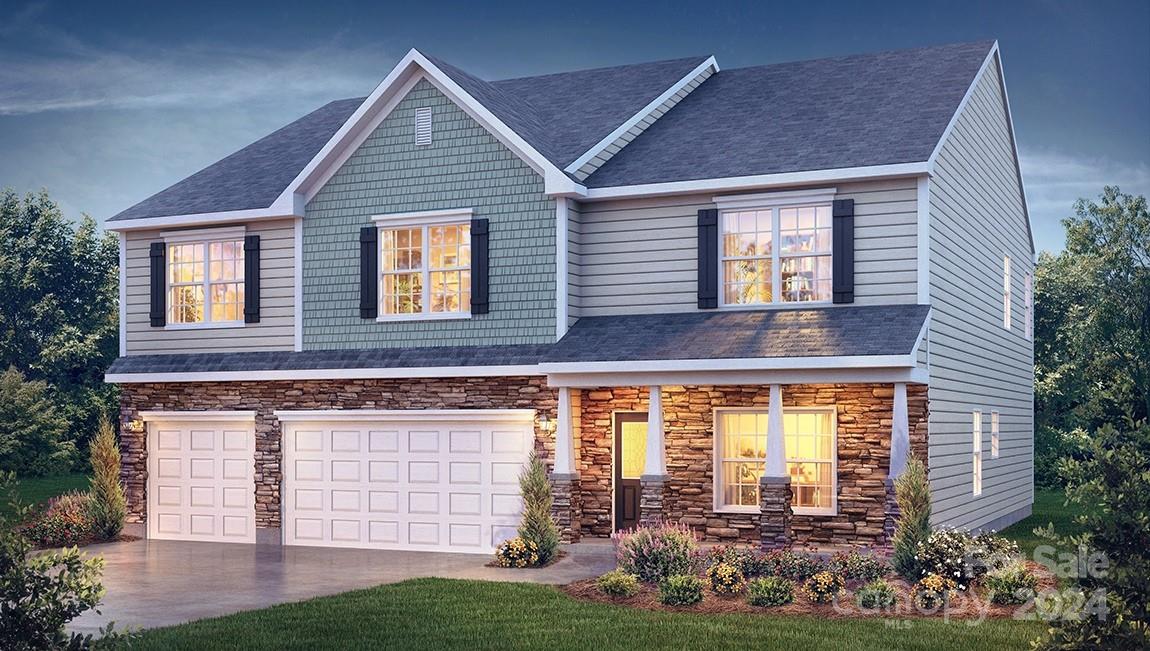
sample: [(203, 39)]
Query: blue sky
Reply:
[(105, 103)]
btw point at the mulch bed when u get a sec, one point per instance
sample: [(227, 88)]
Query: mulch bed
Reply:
[(92, 541), (962, 606)]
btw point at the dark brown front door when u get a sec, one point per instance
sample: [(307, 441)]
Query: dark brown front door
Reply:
[(630, 454)]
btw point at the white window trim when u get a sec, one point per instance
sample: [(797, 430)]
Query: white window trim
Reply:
[(1028, 297), (771, 201), (976, 454), (995, 436), (204, 236), (716, 461), (1007, 293), (421, 219)]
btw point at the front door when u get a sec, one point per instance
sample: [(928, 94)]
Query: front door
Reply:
[(630, 455)]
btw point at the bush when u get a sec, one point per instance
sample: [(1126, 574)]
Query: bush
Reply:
[(912, 492), (66, 521), (1051, 446), (796, 566), (751, 562), (108, 504), (876, 595), (932, 592), (770, 591), (1011, 584), (655, 553), (31, 429), (856, 565), (823, 587), (538, 527), (618, 583), (681, 590), (517, 552), (726, 579), (958, 555)]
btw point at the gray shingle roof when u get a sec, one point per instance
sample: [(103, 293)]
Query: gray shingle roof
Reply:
[(842, 330)]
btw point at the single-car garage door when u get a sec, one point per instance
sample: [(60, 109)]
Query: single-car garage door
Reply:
[(200, 482), (443, 480)]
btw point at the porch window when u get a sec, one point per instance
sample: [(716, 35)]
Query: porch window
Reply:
[(425, 270), (776, 255), (809, 437)]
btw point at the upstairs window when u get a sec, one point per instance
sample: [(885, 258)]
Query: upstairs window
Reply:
[(1006, 292), (205, 278), (976, 460), (775, 255), (1028, 288), (425, 270), (994, 435)]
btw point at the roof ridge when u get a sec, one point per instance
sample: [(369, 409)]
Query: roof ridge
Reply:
[(870, 55), (698, 59)]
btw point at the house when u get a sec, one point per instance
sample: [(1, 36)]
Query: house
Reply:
[(735, 299)]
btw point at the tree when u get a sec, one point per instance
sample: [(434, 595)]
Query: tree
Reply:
[(537, 525), (30, 428), (912, 492), (108, 504)]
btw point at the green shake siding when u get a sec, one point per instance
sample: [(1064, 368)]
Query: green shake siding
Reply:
[(464, 167)]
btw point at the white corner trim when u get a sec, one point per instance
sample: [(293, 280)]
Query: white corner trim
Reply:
[(345, 415), (773, 199), (990, 56), (123, 307), (562, 271), (424, 217), (327, 374), (1014, 145), (199, 416), (205, 234), (734, 364), (641, 115), (202, 219), (297, 285), (923, 232)]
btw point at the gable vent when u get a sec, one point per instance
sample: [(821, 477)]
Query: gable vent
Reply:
[(422, 126)]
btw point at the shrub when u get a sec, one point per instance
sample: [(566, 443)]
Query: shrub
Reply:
[(770, 591), (963, 557), (856, 565), (796, 566), (1011, 584), (108, 504), (31, 428), (750, 561), (537, 526), (681, 590), (932, 592), (66, 521), (876, 595), (912, 492), (618, 583), (823, 587), (517, 552), (726, 579), (991, 551), (655, 553)]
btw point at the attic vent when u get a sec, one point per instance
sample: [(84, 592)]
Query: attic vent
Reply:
[(422, 126)]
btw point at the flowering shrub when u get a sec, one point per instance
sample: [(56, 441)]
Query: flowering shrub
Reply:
[(750, 561), (796, 566), (726, 579), (770, 591), (681, 590), (517, 552), (876, 595), (1011, 584), (823, 587), (66, 521), (655, 553), (932, 592), (993, 551), (856, 565), (617, 583), (958, 555)]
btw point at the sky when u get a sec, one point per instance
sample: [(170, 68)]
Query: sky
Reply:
[(106, 103)]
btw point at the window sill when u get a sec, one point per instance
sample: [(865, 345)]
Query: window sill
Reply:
[(797, 510), (206, 325), (434, 316), (797, 305)]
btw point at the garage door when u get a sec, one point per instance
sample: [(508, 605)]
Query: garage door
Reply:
[(443, 480), (200, 476)]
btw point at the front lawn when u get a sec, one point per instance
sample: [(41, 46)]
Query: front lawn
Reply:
[(1048, 509), (37, 490)]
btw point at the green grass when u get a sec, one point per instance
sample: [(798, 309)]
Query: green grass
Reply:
[(1048, 509), (37, 490)]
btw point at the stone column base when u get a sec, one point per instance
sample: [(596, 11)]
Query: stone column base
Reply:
[(651, 500), (775, 512), (566, 506), (892, 513)]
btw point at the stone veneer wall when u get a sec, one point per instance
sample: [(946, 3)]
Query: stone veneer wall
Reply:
[(864, 421), (266, 397)]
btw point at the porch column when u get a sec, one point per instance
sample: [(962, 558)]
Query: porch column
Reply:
[(899, 451), (654, 476), (775, 485), (564, 476)]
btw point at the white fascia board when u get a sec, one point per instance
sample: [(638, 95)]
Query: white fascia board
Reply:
[(748, 377), (735, 364), (759, 181), (297, 285), (990, 56), (327, 374), (562, 270), (199, 416), (201, 219), (641, 115), (345, 415)]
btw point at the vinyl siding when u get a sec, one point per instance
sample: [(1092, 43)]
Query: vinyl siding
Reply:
[(464, 167), (275, 331), (976, 217), (639, 256)]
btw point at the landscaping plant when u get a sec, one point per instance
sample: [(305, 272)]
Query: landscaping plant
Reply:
[(618, 583), (681, 590), (1011, 584), (823, 587), (770, 591), (108, 504), (655, 553), (856, 565), (726, 579), (517, 552), (876, 595), (793, 565), (538, 526), (67, 520), (750, 561), (912, 492), (932, 592), (964, 557)]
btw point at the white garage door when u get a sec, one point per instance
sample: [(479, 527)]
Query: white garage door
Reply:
[(200, 476), (444, 480)]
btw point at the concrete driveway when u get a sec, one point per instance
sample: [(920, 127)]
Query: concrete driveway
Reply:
[(153, 583)]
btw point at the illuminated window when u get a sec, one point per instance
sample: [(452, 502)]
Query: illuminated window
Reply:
[(634, 450), (994, 435), (425, 270), (1028, 288), (1006, 292), (776, 255), (205, 281), (977, 457)]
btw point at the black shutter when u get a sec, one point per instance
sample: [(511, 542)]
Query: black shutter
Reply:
[(708, 258), (252, 279), (843, 265), (157, 310), (479, 284), (368, 272)]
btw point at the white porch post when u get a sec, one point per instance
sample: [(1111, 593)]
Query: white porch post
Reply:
[(656, 461), (775, 495), (776, 446), (899, 432), (564, 437)]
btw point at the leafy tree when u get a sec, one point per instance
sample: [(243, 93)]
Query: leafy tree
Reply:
[(108, 504), (30, 428), (537, 525)]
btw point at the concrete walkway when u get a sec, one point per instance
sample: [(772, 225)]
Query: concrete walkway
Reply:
[(153, 583)]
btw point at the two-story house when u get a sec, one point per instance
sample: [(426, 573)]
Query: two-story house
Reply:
[(735, 299)]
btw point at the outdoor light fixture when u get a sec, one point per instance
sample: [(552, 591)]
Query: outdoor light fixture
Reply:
[(134, 426), (545, 423)]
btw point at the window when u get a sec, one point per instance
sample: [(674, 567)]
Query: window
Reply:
[(1028, 288), (425, 270), (776, 255), (205, 278), (994, 435), (1006, 292), (741, 447), (977, 458)]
